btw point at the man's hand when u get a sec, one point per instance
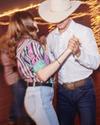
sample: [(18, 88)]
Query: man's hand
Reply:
[(74, 45)]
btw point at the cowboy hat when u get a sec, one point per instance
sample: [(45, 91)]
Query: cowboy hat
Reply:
[(54, 11)]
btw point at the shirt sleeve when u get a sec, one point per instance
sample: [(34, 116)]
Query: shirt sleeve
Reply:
[(90, 56), (36, 57)]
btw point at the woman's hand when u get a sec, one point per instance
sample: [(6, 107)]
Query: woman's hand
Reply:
[(74, 46)]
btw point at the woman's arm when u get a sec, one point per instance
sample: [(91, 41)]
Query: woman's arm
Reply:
[(50, 69)]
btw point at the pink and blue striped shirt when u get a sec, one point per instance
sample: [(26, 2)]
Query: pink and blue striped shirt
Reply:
[(30, 58)]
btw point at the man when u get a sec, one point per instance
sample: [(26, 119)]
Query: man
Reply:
[(76, 92)]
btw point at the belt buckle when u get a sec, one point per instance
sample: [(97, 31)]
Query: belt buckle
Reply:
[(69, 86)]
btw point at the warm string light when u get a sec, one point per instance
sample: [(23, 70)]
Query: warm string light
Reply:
[(93, 13), (4, 23), (31, 6), (94, 9)]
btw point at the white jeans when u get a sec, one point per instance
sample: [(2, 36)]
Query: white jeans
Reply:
[(38, 104)]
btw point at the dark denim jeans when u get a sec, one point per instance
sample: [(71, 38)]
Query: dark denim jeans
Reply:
[(17, 106), (81, 101)]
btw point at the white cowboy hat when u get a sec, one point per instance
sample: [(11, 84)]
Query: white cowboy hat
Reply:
[(54, 11)]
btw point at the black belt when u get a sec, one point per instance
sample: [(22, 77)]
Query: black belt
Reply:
[(39, 84)]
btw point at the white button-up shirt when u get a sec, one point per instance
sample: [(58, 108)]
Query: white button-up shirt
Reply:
[(74, 68)]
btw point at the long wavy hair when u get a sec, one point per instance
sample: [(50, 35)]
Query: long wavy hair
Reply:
[(21, 24)]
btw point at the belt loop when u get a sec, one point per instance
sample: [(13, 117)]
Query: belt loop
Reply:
[(75, 86), (27, 83), (34, 84)]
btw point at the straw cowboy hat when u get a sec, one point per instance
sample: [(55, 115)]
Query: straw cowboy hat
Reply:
[(54, 11)]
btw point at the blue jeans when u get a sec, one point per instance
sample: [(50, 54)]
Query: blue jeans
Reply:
[(81, 101), (38, 104), (17, 106)]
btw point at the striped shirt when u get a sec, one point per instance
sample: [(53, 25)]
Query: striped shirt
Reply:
[(30, 58)]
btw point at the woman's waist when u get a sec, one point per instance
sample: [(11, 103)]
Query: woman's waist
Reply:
[(36, 82)]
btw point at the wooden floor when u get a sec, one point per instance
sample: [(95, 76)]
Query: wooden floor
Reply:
[(5, 98)]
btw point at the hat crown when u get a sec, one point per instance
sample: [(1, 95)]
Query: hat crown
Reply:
[(59, 5), (55, 11)]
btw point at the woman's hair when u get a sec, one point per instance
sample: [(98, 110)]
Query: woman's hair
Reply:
[(21, 24)]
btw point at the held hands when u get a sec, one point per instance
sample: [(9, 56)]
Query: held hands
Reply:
[(74, 46)]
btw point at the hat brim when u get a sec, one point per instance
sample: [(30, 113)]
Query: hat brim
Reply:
[(55, 17)]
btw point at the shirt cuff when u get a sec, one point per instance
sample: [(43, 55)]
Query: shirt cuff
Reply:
[(38, 65)]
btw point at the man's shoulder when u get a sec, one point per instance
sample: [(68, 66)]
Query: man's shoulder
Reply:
[(81, 27), (80, 30)]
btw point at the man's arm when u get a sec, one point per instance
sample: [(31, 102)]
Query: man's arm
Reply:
[(88, 55)]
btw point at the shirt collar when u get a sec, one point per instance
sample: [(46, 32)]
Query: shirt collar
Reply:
[(70, 27)]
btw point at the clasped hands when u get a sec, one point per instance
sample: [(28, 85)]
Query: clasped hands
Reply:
[(74, 46)]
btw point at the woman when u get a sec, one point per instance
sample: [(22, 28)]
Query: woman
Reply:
[(34, 66)]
